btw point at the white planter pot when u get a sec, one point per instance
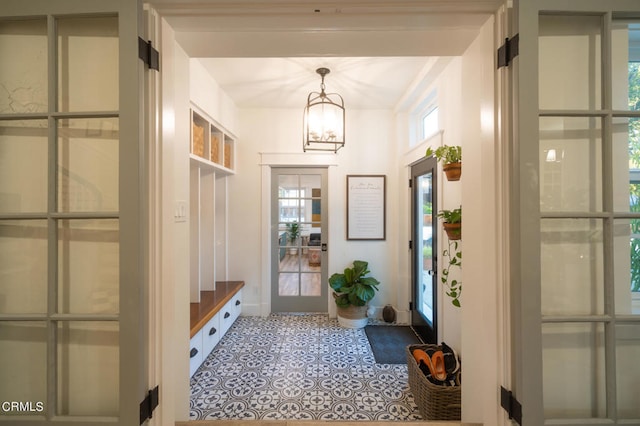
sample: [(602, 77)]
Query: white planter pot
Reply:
[(353, 323), (353, 317)]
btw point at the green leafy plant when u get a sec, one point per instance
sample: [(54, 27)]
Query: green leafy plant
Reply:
[(293, 231), (451, 216), (445, 153), (352, 287), (453, 259)]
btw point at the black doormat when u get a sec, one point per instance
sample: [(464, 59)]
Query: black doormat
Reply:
[(388, 342)]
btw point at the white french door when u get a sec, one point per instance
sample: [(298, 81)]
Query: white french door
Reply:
[(72, 309), (575, 214)]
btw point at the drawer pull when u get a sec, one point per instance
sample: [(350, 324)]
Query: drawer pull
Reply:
[(212, 331), (227, 315), (193, 352), (237, 303)]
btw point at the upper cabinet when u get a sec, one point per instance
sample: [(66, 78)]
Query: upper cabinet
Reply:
[(211, 145)]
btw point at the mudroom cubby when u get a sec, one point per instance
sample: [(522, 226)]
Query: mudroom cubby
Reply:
[(211, 144), (211, 162)]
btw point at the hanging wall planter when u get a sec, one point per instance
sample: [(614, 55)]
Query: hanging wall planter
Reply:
[(452, 223), (451, 157), (453, 171), (453, 230)]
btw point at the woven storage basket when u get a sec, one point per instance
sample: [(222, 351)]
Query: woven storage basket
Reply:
[(434, 402)]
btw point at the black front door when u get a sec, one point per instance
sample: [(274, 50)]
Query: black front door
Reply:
[(423, 258)]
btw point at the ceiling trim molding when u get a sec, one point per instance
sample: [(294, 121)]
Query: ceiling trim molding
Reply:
[(250, 7)]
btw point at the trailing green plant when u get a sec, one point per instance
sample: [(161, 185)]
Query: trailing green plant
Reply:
[(451, 216), (453, 259), (293, 231), (352, 287), (445, 153)]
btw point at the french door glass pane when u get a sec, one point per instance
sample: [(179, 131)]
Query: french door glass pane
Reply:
[(310, 283), (288, 284), (573, 373), (626, 164), (627, 371), (571, 261), (570, 164), (23, 267), (88, 165), (23, 82), (289, 209), (23, 357), (299, 204), (88, 266), (570, 67), (424, 252), (626, 258), (23, 189), (88, 63), (88, 365), (625, 65)]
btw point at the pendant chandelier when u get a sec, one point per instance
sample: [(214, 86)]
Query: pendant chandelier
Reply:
[(323, 127)]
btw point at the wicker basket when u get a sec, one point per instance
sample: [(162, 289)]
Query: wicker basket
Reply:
[(434, 402)]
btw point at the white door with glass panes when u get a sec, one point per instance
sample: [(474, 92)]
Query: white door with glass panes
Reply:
[(298, 239), (576, 202), (71, 253)]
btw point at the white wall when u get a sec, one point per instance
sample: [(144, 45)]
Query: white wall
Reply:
[(481, 341), (370, 149), (206, 93), (175, 235)]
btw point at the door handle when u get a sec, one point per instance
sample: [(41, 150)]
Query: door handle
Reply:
[(431, 272), (323, 246)]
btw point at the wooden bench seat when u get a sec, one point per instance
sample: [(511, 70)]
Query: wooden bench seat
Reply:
[(211, 302)]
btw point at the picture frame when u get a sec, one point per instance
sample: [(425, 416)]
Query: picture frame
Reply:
[(366, 207)]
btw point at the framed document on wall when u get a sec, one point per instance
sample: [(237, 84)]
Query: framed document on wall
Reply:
[(366, 207)]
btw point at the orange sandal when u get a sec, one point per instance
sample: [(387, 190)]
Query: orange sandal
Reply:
[(435, 363), (438, 370)]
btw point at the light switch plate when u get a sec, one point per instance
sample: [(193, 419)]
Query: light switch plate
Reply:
[(180, 213)]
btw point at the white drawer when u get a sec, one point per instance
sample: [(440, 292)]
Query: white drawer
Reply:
[(237, 304), (195, 353), (211, 334), (226, 316)]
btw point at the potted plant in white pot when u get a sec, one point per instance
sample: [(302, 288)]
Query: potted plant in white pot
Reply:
[(352, 292)]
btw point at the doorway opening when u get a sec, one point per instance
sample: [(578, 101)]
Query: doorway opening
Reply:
[(424, 298)]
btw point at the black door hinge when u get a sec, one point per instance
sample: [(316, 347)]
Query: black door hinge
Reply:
[(410, 306), (508, 51), (410, 183), (511, 405), (149, 55), (149, 404), (410, 245)]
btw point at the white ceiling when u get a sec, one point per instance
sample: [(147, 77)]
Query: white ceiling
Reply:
[(264, 53), (364, 83)]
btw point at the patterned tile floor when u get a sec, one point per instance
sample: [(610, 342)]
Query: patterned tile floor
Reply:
[(300, 366)]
